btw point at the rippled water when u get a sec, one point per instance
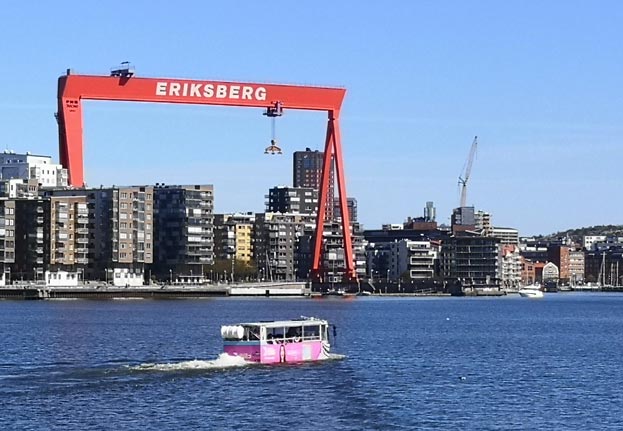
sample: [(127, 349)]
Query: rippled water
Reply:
[(411, 363)]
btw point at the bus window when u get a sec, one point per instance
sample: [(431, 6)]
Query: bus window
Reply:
[(254, 333), (275, 334), (311, 332)]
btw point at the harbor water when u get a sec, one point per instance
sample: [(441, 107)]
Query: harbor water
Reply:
[(409, 364)]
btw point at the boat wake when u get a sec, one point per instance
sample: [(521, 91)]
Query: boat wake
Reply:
[(222, 362)]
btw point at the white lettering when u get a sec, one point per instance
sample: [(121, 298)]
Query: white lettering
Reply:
[(221, 91), (208, 90), (260, 93), (234, 92), (247, 92), (174, 89), (161, 89), (194, 90)]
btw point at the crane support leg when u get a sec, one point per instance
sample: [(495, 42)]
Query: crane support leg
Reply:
[(333, 147)]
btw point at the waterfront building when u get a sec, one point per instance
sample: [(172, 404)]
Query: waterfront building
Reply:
[(68, 224), (333, 265), (276, 239), (471, 259), (25, 233), (506, 235), (233, 236), (32, 167), (120, 231), (184, 234), (576, 267), (604, 265), (283, 199), (531, 272), (551, 274), (7, 238), (413, 260), (511, 266), (559, 256)]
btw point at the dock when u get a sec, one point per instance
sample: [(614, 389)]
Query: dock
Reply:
[(103, 291)]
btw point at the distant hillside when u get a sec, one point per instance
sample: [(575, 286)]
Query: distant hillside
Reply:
[(577, 234)]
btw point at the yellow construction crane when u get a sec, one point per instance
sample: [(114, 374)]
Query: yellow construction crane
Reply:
[(464, 177)]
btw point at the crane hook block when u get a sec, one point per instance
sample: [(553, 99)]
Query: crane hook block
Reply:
[(273, 148)]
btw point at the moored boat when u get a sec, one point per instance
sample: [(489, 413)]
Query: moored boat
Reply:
[(269, 342), (531, 291)]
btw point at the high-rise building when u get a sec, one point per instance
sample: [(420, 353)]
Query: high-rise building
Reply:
[(184, 241), (430, 212), (307, 172), (297, 200)]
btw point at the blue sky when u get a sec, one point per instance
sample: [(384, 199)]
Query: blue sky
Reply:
[(540, 83)]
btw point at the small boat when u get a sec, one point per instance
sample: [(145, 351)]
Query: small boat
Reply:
[(531, 291), (270, 342), (334, 292)]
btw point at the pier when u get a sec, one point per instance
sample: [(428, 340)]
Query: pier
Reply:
[(103, 291)]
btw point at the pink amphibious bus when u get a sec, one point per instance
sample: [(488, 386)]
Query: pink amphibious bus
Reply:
[(298, 340)]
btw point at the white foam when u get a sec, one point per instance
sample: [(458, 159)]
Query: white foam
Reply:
[(223, 361)]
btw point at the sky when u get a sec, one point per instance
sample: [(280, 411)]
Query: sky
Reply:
[(539, 83)]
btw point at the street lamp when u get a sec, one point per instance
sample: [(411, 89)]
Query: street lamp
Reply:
[(388, 275), (170, 276), (106, 275)]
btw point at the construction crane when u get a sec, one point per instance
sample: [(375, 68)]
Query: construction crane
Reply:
[(467, 171)]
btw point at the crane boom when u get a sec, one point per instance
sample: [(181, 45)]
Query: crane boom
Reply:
[(468, 170)]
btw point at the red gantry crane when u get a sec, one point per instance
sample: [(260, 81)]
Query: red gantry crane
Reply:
[(467, 171), (123, 85)]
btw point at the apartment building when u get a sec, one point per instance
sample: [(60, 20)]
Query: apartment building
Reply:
[(283, 199), (511, 266), (120, 231), (276, 240), (471, 259), (507, 235), (32, 167), (184, 226), (233, 236), (307, 173), (414, 260)]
